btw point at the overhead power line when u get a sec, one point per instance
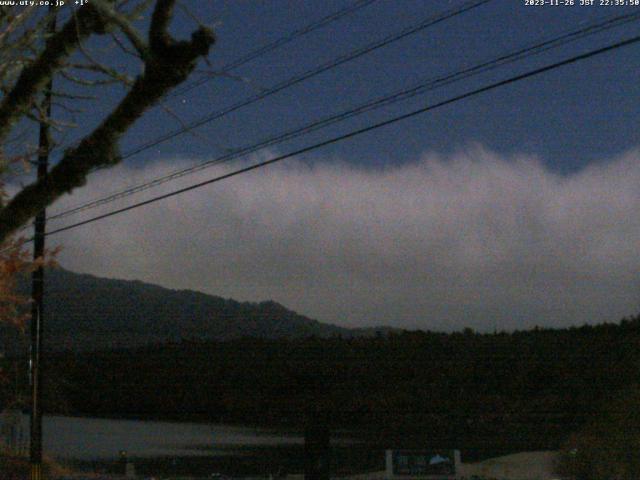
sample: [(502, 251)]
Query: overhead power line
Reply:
[(429, 21), (354, 133), (431, 84), (322, 22), (424, 24), (258, 52)]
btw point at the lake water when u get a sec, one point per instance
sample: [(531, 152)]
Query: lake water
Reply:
[(97, 438)]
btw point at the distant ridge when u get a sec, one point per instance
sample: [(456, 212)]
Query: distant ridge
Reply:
[(85, 312)]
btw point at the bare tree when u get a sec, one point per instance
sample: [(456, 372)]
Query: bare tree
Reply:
[(26, 71)]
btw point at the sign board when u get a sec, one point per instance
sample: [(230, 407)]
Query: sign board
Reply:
[(422, 463)]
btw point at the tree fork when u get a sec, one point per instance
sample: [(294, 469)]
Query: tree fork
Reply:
[(169, 63)]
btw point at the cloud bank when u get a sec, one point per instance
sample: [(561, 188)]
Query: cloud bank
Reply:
[(472, 239)]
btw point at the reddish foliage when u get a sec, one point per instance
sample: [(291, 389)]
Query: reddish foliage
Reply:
[(13, 262)]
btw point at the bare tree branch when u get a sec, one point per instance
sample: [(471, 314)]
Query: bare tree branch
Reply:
[(96, 66), (35, 76), (94, 83), (15, 22), (122, 46), (127, 28), (170, 62)]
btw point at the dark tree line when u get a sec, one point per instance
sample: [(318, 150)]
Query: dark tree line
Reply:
[(484, 393)]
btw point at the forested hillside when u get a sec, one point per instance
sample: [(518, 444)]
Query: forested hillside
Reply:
[(84, 312), (142, 351)]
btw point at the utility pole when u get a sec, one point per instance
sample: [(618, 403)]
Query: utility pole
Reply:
[(37, 288)]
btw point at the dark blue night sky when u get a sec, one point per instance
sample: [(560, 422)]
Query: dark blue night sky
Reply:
[(569, 117)]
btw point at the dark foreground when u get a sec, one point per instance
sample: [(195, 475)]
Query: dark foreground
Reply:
[(245, 462)]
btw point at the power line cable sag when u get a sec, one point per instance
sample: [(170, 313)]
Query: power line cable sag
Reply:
[(258, 52), (252, 55), (492, 86), (424, 24), (421, 88)]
